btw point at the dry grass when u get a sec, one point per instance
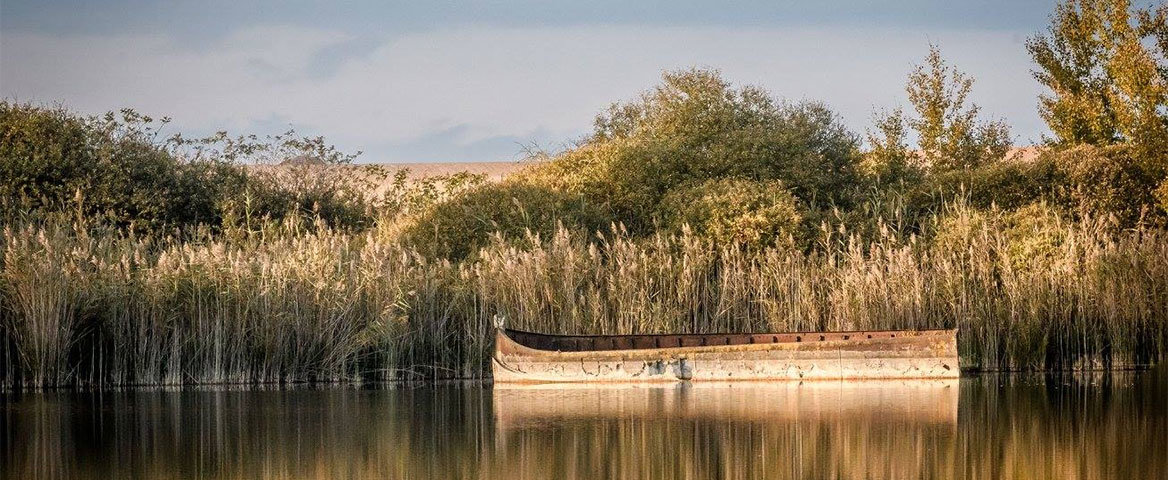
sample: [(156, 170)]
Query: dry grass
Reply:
[(380, 179), (101, 308), (82, 307)]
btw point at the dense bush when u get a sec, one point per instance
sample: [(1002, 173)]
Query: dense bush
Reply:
[(459, 226), (695, 126), (108, 168), (733, 211), (116, 168), (337, 196), (1025, 238), (1088, 182), (1007, 184), (1110, 181), (693, 129)]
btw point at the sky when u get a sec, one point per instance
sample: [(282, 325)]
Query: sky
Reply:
[(485, 81)]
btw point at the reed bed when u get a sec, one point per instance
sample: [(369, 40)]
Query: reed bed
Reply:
[(90, 307)]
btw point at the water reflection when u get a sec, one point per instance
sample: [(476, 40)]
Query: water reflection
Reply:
[(744, 430), (984, 427)]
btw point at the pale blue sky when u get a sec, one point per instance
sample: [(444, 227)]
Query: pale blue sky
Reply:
[(474, 81)]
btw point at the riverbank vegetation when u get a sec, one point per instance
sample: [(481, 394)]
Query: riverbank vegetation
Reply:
[(700, 206)]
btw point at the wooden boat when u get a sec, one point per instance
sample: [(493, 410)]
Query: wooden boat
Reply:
[(528, 357)]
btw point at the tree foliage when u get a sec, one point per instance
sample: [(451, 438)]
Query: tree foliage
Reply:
[(1104, 64), (734, 211), (654, 154), (891, 162), (950, 135), (118, 168), (695, 126), (458, 227), (107, 167)]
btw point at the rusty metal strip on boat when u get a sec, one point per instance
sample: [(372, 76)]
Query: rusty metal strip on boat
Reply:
[(527, 357)]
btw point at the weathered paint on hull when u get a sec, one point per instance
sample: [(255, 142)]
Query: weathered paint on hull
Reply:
[(848, 355)]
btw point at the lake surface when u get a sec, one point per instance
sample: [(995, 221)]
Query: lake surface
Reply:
[(996, 426)]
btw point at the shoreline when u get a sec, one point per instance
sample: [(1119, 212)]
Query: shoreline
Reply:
[(486, 381)]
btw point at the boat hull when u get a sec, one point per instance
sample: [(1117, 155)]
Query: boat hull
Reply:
[(792, 356)]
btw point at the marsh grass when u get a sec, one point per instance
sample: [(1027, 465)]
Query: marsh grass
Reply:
[(85, 306)]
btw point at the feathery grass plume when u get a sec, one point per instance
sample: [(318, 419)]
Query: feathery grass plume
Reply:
[(1028, 289)]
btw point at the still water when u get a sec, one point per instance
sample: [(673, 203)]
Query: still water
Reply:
[(1113, 426)]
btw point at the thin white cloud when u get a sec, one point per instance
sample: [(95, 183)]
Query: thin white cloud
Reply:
[(488, 82)]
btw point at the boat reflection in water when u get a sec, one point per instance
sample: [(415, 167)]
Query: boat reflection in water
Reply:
[(889, 401), (865, 429)]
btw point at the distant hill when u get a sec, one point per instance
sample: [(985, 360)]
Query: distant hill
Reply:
[(494, 171), (301, 160), (380, 175)]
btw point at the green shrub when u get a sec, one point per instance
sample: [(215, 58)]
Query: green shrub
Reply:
[(1034, 234), (115, 169), (1109, 181), (337, 195), (458, 227), (950, 134), (734, 211), (648, 156), (39, 149), (1027, 238), (1098, 182), (107, 168), (1162, 196), (695, 126), (908, 205), (1006, 185)]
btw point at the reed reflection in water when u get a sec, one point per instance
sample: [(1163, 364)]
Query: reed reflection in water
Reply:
[(981, 427)]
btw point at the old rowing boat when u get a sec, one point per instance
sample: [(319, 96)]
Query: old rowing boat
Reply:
[(527, 357)]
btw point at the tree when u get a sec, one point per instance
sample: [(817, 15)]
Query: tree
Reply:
[(1104, 63), (1105, 67), (949, 133), (696, 126), (891, 162), (731, 162)]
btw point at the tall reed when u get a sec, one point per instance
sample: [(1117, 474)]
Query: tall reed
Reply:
[(84, 306)]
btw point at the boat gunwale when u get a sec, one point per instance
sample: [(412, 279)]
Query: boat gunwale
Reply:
[(930, 331), (519, 348)]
